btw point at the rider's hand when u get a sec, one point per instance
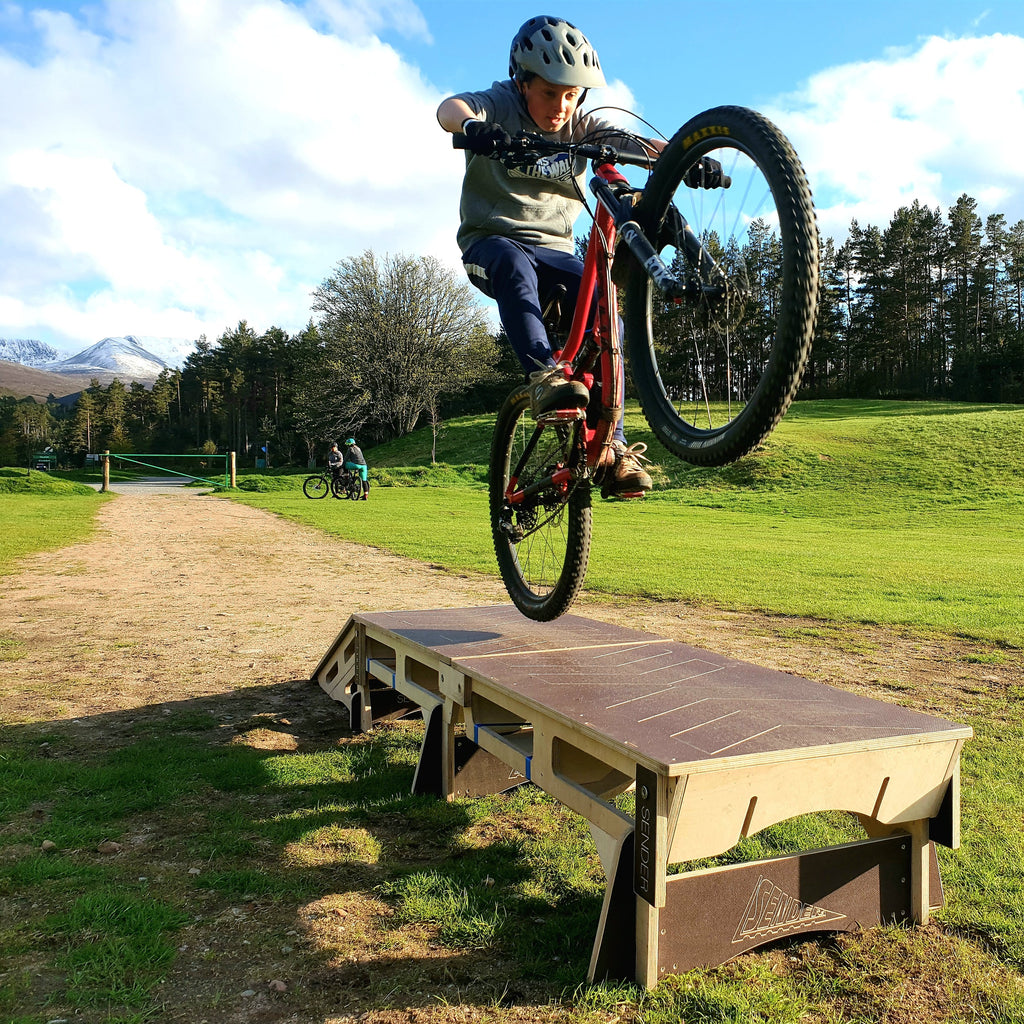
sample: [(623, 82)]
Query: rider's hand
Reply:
[(484, 137), (707, 173)]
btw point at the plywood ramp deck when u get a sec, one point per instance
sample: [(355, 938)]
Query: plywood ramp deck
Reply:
[(717, 749)]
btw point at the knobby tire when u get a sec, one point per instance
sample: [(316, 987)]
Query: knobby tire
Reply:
[(714, 377), (316, 487)]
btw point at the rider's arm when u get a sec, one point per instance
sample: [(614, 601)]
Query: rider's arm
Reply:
[(453, 113)]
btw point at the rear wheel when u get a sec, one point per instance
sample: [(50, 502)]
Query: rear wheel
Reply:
[(716, 371), (315, 487), (542, 542)]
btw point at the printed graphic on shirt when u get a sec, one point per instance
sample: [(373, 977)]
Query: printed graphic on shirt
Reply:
[(556, 167)]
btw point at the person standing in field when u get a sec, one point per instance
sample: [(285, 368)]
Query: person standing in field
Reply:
[(356, 463), (335, 461)]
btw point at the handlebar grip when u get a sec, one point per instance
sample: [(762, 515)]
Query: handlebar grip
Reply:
[(726, 181), (460, 141)]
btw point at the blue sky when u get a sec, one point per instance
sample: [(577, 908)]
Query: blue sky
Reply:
[(169, 167)]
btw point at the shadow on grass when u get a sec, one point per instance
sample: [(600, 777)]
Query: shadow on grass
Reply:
[(182, 812)]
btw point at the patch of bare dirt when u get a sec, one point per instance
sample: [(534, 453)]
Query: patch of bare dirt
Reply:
[(181, 597)]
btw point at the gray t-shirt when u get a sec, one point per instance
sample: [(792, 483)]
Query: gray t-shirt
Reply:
[(497, 200)]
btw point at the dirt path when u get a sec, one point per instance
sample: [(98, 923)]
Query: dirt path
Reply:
[(182, 595)]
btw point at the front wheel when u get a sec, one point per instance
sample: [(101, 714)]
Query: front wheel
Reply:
[(542, 541), (315, 487), (717, 369), (354, 486)]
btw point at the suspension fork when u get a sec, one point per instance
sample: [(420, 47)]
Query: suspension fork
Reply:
[(647, 255)]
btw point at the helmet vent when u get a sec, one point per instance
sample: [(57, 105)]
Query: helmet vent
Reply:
[(556, 50)]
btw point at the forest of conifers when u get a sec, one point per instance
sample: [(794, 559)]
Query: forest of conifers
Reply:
[(928, 307)]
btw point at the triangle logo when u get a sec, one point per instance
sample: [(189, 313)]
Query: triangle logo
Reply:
[(772, 912)]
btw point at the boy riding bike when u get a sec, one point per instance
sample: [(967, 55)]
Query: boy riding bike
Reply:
[(516, 231), (719, 291), (516, 227)]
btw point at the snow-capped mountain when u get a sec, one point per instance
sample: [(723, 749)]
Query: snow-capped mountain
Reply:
[(27, 352), (112, 355), (173, 351)]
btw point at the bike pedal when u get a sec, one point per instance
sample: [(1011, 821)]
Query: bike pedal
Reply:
[(607, 494), (554, 416)]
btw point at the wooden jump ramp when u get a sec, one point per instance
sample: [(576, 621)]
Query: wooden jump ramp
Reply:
[(716, 749)]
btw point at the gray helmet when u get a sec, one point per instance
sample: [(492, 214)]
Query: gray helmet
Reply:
[(557, 51)]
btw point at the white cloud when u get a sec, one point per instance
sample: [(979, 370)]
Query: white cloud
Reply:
[(194, 162), (170, 167), (364, 17), (927, 124)]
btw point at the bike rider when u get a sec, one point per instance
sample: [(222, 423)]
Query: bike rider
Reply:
[(516, 231), (355, 463), (334, 461)]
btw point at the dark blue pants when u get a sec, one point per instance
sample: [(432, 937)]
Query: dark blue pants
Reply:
[(516, 275)]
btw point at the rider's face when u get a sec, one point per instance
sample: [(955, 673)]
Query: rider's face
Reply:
[(550, 105)]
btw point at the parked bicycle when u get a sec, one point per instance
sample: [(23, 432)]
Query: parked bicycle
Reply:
[(719, 315), (345, 485)]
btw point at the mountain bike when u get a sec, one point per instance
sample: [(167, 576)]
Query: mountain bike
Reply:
[(345, 485), (720, 290), (349, 484)]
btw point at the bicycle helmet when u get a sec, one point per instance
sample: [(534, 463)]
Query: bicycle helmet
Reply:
[(350, 440), (557, 51)]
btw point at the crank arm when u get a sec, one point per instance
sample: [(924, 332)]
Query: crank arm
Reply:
[(558, 480)]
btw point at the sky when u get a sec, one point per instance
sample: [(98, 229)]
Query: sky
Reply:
[(171, 167)]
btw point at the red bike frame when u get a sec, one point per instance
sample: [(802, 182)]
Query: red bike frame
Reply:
[(606, 338)]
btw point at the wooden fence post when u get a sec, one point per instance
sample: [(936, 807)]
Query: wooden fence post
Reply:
[(106, 472), (232, 470)]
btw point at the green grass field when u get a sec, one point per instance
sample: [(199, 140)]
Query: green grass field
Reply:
[(892, 513), (905, 515), (39, 511)]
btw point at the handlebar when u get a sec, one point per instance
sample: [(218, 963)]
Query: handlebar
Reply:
[(528, 147)]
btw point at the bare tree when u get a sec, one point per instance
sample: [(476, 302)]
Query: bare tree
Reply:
[(396, 335)]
